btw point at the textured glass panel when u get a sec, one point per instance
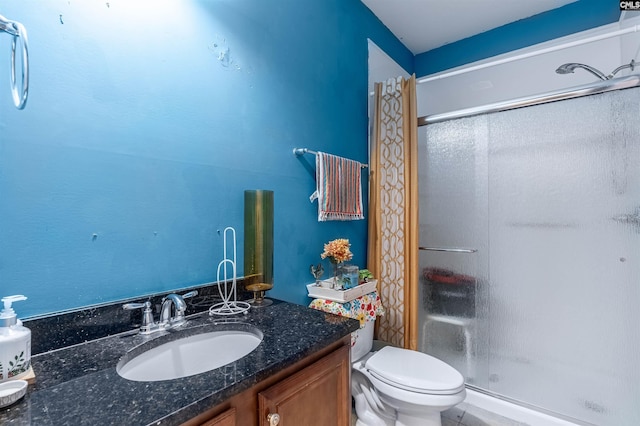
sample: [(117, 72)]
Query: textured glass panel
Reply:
[(449, 299), (453, 172), (550, 197), (563, 305)]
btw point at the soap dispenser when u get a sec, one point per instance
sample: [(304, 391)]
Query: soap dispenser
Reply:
[(15, 343)]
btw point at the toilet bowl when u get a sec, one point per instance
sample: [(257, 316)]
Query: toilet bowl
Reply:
[(400, 387)]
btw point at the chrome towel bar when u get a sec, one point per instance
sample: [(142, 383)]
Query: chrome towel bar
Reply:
[(302, 151)]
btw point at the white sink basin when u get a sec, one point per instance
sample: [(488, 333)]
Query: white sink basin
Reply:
[(189, 355)]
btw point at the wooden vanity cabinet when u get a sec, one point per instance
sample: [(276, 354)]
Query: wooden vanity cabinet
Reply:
[(227, 418), (313, 392), (319, 395)]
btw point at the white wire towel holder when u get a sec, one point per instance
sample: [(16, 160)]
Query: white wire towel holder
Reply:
[(19, 33), (229, 305)]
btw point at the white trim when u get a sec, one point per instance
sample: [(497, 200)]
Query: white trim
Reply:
[(512, 411)]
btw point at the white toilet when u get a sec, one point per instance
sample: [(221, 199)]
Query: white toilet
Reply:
[(400, 387)]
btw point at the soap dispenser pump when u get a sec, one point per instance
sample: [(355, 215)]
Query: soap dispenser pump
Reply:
[(15, 343)]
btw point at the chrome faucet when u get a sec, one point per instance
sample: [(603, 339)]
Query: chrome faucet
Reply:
[(180, 307), (148, 325)]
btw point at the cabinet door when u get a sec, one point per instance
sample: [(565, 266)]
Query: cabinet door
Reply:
[(318, 395), (228, 418)]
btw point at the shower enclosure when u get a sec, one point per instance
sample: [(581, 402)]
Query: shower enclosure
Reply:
[(530, 250)]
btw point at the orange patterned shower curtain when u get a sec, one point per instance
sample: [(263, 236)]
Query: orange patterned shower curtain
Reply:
[(393, 210)]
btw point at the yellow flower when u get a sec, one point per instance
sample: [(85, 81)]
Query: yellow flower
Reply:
[(337, 251)]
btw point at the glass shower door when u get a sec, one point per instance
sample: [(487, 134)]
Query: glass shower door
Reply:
[(453, 245), (550, 198)]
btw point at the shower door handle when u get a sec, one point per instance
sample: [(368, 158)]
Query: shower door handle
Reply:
[(448, 249)]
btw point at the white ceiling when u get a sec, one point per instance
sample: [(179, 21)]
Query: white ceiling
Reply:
[(423, 25)]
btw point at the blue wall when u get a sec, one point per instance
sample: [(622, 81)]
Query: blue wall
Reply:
[(572, 18), (146, 122)]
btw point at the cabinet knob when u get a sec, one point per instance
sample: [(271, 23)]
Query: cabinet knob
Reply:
[(273, 418)]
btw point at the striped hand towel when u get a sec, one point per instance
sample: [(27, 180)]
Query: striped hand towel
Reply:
[(339, 188)]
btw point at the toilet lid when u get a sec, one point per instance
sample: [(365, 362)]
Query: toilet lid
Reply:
[(414, 371)]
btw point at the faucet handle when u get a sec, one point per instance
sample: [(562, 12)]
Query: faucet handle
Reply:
[(190, 294), (147, 315), (182, 307), (131, 306)]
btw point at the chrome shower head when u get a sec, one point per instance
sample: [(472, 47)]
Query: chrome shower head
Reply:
[(570, 67), (566, 68)]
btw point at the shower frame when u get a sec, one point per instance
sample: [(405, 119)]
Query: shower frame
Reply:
[(597, 87), (553, 96)]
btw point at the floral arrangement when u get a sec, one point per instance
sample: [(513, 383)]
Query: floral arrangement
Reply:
[(337, 251)]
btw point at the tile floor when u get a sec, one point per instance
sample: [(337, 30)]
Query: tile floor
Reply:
[(468, 415)]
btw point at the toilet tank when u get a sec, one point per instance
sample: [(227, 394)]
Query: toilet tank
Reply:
[(362, 341)]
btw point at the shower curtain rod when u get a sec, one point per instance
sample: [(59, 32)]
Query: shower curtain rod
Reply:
[(302, 151), (558, 95)]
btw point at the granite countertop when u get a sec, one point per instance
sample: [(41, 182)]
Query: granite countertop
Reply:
[(79, 385)]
